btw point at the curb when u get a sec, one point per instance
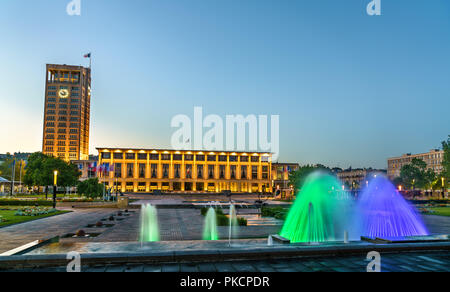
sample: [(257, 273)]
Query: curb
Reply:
[(198, 256)]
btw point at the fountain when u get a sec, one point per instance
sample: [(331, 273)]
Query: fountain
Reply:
[(383, 212), (210, 226), (149, 224), (232, 223), (321, 212)]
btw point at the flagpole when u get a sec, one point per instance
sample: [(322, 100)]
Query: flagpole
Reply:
[(20, 175), (13, 177)]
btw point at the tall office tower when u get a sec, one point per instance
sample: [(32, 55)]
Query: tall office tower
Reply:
[(67, 112)]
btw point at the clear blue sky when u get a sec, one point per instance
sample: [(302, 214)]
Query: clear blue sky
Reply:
[(350, 89)]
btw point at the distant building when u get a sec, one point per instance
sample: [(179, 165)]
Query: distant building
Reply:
[(354, 179), (22, 156), (433, 159), (88, 168), (280, 177), (4, 184)]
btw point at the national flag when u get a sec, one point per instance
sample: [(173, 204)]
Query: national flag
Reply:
[(87, 55)]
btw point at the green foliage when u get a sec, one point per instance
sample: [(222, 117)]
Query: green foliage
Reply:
[(40, 171), (222, 219), (276, 212), (242, 221), (12, 202), (34, 211), (415, 175), (446, 160), (91, 188), (298, 177)]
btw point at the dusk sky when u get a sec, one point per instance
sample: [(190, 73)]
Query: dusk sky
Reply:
[(350, 89)]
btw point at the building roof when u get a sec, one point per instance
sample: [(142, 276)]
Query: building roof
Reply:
[(173, 150), (3, 180)]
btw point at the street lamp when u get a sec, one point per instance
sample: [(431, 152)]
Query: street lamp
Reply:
[(55, 182)]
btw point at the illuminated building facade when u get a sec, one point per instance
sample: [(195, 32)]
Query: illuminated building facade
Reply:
[(147, 170), (433, 159), (280, 177), (67, 112)]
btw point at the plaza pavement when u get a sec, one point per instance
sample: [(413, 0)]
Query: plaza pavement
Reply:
[(175, 224), (20, 234)]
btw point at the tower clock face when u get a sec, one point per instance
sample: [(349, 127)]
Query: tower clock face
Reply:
[(63, 93)]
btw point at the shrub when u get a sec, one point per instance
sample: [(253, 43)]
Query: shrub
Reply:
[(34, 211), (205, 210), (91, 188), (222, 219), (13, 202), (276, 212), (242, 221)]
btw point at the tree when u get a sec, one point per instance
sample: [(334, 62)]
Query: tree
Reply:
[(91, 188), (446, 159), (297, 178), (34, 175), (415, 175), (41, 168)]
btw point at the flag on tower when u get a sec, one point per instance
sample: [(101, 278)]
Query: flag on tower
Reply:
[(87, 55)]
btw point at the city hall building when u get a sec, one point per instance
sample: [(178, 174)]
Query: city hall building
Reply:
[(67, 112), (147, 170)]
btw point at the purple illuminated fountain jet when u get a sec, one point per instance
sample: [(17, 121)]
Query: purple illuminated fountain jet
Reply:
[(385, 213)]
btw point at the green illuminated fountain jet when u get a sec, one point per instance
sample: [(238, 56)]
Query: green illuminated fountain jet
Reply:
[(210, 227), (320, 213), (149, 224)]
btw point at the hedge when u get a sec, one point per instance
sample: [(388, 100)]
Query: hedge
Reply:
[(223, 220), (12, 202), (276, 212)]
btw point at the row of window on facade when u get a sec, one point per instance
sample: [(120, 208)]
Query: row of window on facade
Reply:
[(201, 171), (72, 77), (61, 154), (63, 106), (61, 143), (61, 131), (64, 100), (187, 186), (62, 125), (60, 149), (55, 88), (187, 157), (61, 137), (62, 115)]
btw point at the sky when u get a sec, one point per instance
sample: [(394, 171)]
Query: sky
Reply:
[(350, 89)]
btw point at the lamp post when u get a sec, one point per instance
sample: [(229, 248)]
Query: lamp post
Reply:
[(55, 182)]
